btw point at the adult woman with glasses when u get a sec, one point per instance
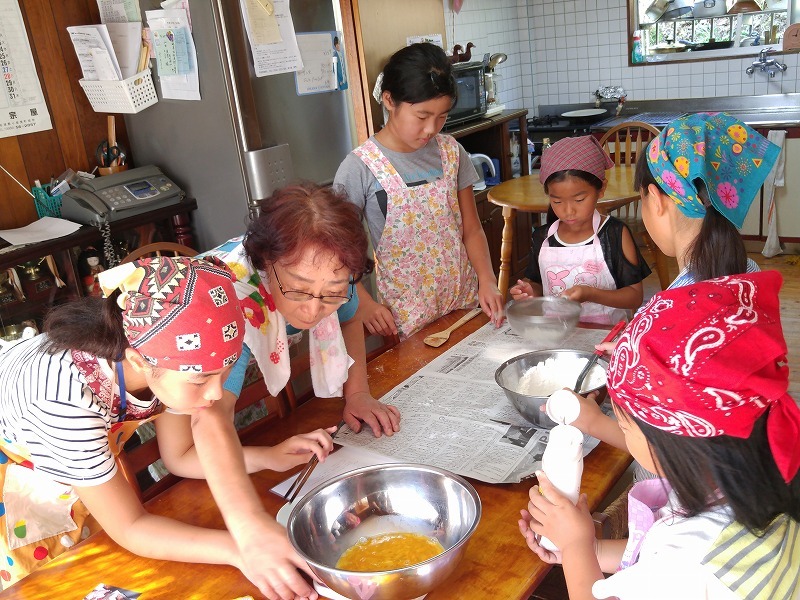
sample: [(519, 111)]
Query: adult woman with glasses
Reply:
[(297, 267)]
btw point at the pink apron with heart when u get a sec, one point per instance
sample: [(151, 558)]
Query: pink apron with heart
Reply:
[(421, 263), (563, 268)]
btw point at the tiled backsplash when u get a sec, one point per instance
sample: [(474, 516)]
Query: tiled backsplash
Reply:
[(560, 51)]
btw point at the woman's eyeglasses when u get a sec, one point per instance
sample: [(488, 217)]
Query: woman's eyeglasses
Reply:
[(305, 296)]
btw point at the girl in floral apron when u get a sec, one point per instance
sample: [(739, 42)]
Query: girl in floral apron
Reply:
[(70, 398), (715, 420), (415, 187), (583, 256)]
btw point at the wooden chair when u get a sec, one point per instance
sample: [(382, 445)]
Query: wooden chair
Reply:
[(625, 143), (160, 249)]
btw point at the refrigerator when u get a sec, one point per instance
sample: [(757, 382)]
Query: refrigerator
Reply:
[(248, 135)]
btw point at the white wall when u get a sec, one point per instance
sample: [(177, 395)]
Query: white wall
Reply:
[(560, 51)]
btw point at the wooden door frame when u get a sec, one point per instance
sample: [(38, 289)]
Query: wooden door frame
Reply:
[(358, 84)]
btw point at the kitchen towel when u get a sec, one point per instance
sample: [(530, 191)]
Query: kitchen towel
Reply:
[(775, 179)]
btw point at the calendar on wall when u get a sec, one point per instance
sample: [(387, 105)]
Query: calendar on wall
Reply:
[(22, 106)]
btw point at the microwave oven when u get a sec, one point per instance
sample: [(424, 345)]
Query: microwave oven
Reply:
[(471, 101)]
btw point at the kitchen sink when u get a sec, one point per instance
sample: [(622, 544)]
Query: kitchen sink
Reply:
[(789, 117)]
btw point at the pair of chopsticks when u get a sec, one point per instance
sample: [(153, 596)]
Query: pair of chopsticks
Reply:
[(303, 475)]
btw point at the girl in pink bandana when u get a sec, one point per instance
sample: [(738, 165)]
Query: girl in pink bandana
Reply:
[(583, 256), (160, 345), (722, 431)]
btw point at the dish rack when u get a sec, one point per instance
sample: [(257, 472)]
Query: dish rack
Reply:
[(130, 95)]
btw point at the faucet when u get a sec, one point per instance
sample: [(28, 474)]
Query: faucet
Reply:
[(766, 65)]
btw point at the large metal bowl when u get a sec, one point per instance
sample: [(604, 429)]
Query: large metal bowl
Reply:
[(547, 319), (371, 501), (509, 374)]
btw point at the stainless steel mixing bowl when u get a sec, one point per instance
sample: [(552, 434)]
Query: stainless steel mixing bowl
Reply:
[(508, 377), (385, 499), (546, 320)]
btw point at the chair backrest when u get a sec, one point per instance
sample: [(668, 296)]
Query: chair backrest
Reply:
[(160, 249), (624, 142)]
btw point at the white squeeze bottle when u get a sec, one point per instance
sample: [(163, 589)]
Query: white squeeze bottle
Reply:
[(563, 464)]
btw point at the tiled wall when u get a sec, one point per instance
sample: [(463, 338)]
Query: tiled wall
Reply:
[(497, 26), (560, 51)]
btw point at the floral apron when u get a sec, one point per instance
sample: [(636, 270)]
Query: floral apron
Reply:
[(421, 263), (40, 518), (563, 268)]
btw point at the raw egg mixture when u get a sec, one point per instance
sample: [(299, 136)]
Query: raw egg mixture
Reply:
[(389, 551)]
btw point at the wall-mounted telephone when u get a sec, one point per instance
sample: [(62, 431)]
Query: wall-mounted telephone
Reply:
[(112, 197)]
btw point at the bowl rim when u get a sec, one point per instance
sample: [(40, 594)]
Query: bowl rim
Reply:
[(574, 306), (600, 360), (392, 466)]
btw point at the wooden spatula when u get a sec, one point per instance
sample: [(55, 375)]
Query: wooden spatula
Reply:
[(437, 339)]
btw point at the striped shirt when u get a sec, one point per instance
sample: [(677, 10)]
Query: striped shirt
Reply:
[(686, 277), (49, 414), (713, 557)]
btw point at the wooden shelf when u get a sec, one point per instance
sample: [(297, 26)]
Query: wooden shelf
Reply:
[(168, 223)]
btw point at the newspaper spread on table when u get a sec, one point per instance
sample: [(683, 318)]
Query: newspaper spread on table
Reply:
[(456, 417)]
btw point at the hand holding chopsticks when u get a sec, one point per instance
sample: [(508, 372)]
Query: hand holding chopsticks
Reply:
[(303, 475)]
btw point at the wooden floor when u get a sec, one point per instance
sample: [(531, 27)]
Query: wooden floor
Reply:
[(554, 587)]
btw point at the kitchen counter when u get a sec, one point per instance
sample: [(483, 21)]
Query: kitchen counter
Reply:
[(768, 111)]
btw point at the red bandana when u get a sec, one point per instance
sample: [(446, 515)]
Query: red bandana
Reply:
[(180, 313), (709, 359)]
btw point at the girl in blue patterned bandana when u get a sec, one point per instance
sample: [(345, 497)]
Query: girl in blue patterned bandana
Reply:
[(697, 180)]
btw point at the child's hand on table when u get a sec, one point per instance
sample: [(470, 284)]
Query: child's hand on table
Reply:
[(522, 291), (268, 560), (491, 301)]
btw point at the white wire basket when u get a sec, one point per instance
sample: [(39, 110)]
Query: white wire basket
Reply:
[(130, 95)]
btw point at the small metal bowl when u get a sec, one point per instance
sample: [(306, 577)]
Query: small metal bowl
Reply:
[(508, 376), (406, 498), (546, 320)]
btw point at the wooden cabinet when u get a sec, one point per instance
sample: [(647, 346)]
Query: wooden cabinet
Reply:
[(492, 136), (35, 272)]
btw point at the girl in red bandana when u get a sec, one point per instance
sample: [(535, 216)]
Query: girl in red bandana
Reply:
[(699, 383), (583, 255)]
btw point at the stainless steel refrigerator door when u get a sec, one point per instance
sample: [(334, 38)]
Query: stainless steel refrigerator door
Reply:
[(319, 128)]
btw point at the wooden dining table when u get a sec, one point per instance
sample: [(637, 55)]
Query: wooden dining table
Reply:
[(496, 564), (527, 194)]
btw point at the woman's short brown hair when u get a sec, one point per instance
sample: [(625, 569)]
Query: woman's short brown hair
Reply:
[(304, 216)]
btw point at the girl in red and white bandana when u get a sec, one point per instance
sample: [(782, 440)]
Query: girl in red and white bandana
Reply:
[(699, 383), (69, 397)]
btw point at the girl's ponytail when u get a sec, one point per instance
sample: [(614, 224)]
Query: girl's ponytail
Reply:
[(718, 250), (92, 325)]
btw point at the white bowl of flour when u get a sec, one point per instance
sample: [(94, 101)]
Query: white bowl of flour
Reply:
[(529, 379)]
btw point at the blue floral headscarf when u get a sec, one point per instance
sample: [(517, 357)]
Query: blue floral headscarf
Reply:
[(732, 159)]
